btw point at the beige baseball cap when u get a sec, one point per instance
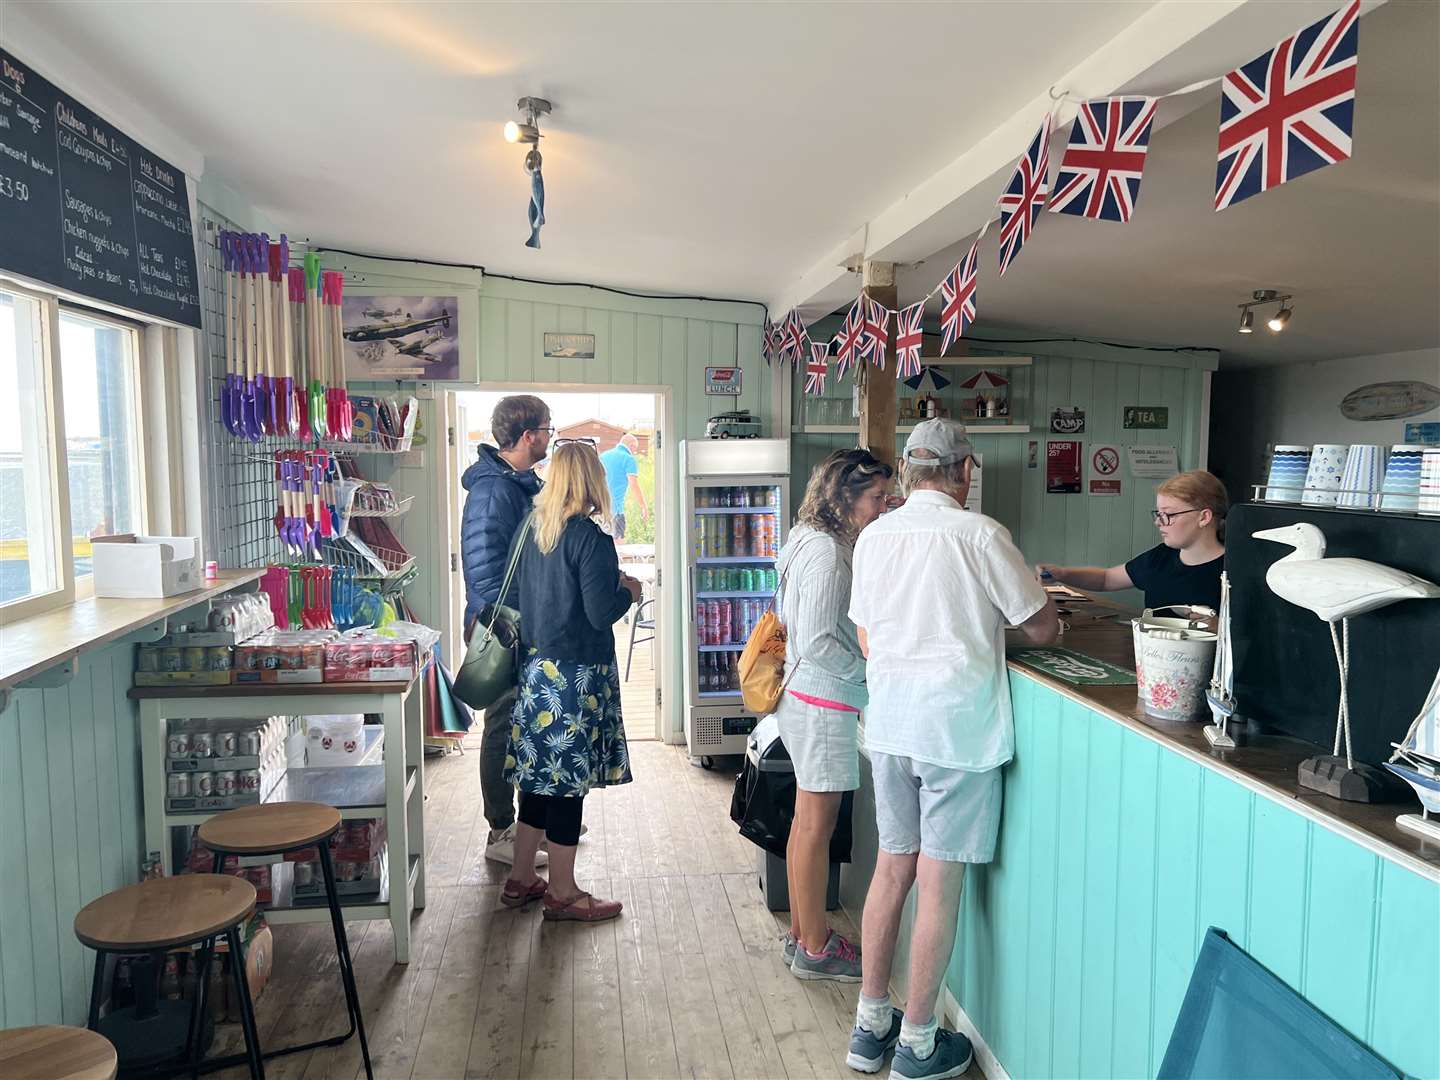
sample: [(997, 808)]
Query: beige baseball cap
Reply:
[(945, 439)]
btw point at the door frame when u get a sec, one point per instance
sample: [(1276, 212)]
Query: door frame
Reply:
[(669, 714)]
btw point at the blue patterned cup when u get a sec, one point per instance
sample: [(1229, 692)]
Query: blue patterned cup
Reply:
[(1326, 475), (1364, 468), (1286, 480), (1402, 478)]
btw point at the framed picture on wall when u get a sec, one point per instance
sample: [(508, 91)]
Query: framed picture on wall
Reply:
[(569, 346), (401, 337)]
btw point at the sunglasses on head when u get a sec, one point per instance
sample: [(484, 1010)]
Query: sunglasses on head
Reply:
[(579, 440)]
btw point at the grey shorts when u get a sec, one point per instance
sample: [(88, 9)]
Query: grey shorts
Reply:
[(824, 744), (617, 525), (944, 814)]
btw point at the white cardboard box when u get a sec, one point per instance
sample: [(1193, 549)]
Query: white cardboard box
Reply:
[(150, 566)]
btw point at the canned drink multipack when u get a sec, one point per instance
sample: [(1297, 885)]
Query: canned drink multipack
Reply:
[(248, 781), (226, 743), (202, 744), (177, 744), (203, 785), (225, 783)]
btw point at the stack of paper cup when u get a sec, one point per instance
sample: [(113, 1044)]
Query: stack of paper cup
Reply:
[(1430, 481), (1364, 468), (1326, 474), (1288, 465), (1402, 478)]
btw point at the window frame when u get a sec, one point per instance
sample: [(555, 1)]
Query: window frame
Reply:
[(83, 588)]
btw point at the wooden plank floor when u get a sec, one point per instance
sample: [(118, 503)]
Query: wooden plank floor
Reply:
[(687, 982)]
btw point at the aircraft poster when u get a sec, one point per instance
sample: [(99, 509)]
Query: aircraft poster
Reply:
[(401, 337)]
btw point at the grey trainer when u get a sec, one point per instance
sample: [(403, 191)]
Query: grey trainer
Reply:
[(951, 1057), (787, 948), (868, 1050), (839, 961)]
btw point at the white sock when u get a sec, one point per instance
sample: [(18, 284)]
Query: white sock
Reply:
[(873, 1014), (920, 1038)]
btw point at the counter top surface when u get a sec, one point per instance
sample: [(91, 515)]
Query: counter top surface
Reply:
[(1266, 763), (29, 646)]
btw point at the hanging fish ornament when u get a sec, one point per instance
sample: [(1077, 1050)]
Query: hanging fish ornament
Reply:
[(536, 210)]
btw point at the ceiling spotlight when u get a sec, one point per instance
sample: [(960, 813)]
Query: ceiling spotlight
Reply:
[(1247, 322), (527, 131), (1258, 298), (1279, 319)]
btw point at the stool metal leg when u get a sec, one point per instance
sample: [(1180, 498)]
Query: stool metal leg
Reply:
[(247, 1008), (342, 949), (97, 986), (194, 1052)]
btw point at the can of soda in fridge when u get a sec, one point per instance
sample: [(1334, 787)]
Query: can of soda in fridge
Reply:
[(203, 785), (202, 744), (177, 744), (177, 785), (247, 782), (712, 622), (250, 743), (705, 579), (722, 618), (739, 535), (226, 744), (702, 548), (225, 783)]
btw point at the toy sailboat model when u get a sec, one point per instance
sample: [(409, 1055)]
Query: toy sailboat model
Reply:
[(1417, 761), (1221, 691)]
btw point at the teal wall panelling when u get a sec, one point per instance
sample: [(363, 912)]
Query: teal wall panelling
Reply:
[(1077, 944)]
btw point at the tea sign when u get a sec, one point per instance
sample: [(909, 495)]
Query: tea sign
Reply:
[(1147, 416)]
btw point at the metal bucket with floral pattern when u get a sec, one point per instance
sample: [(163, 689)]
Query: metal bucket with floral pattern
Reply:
[(1173, 660)]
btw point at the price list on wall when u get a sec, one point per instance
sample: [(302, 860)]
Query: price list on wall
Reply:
[(87, 209)]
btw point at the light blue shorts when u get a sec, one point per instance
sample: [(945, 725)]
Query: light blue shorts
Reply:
[(824, 744), (944, 814)]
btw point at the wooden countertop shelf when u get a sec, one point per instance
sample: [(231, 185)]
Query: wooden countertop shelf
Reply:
[(254, 690), (30, 646), (1265, 764)]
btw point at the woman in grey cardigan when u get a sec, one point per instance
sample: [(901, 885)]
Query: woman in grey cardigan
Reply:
[(823, 694)]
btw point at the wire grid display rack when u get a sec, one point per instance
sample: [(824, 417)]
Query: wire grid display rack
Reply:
[(241, 485)]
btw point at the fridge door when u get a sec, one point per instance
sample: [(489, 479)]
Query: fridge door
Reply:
[(735, 526)]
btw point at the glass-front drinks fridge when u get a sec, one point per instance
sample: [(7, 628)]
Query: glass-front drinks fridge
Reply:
[(737, 515)]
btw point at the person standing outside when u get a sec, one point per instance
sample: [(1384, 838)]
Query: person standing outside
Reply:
[(824, 692), (934, 587), (622, 476), (499, 488)]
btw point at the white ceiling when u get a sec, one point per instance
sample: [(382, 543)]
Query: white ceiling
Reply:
[(725, 149), (715, 148), (1357, 243)]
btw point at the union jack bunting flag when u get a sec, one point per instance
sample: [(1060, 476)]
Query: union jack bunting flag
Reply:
[(908, 339), (795, 338), (1290, 110), (847, 342), (769, 340), (816, 369), (1024, 197), (876, 334), (957, 292), (1100, 172)]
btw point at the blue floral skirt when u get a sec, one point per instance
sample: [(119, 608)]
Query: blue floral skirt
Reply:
[(567, 735)]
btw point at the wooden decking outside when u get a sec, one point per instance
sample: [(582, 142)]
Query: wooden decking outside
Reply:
[(637, 693), (687, 982)]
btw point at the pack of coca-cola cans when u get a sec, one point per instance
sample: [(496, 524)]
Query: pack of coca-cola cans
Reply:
[(726, 622)]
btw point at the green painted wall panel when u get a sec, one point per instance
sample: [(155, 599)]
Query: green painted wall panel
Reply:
[(1166, 848)]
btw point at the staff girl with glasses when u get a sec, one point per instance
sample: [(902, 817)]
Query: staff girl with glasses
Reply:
[(1184, 568)]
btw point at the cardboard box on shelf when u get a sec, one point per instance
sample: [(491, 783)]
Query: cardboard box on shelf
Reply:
[(132, 566)]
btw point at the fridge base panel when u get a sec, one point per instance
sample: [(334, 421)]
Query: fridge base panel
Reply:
[(717, 731)]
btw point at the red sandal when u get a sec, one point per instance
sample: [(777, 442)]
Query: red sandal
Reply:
[(516, 895), (584, 908)]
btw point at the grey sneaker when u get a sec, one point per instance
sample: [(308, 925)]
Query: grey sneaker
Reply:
[(868, 1050), (951, 1057), (839, 961), (787, 948), (500, 847)]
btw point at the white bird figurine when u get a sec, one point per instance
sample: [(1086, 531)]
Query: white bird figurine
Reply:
[(1335, 589)]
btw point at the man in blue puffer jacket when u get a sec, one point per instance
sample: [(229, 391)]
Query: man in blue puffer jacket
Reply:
[(499, 488)]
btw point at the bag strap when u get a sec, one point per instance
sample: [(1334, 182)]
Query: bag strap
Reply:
[(517, 546)]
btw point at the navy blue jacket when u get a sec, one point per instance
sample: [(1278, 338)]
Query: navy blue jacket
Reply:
[(496, 501), (571, 598)]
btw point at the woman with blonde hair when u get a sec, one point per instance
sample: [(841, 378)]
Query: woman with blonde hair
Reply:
[(567, 735), (824, 692), (1184, 568)]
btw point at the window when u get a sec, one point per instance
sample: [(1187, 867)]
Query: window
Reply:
[(98, 372), (70, 446), (31, 504)]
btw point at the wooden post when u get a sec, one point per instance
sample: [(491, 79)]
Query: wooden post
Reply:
[(878, 409)]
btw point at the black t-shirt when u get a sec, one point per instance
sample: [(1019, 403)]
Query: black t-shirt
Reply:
[(1166, 580)]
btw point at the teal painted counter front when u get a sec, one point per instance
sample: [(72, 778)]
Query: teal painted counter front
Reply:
[(1116, 853)]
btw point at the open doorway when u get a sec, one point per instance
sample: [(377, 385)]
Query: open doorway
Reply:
[(625, 427)]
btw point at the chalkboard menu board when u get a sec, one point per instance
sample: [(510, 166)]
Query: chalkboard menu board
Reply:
[(86, 209)]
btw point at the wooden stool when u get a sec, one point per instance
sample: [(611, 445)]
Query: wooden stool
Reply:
[(51, 1052), (275, 829), (155, 917)]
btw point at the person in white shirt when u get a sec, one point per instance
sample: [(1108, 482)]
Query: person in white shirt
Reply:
[(934, 588)]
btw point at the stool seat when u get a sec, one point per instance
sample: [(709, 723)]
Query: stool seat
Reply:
[(52, 1052), (269, 828), (165, 912)]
